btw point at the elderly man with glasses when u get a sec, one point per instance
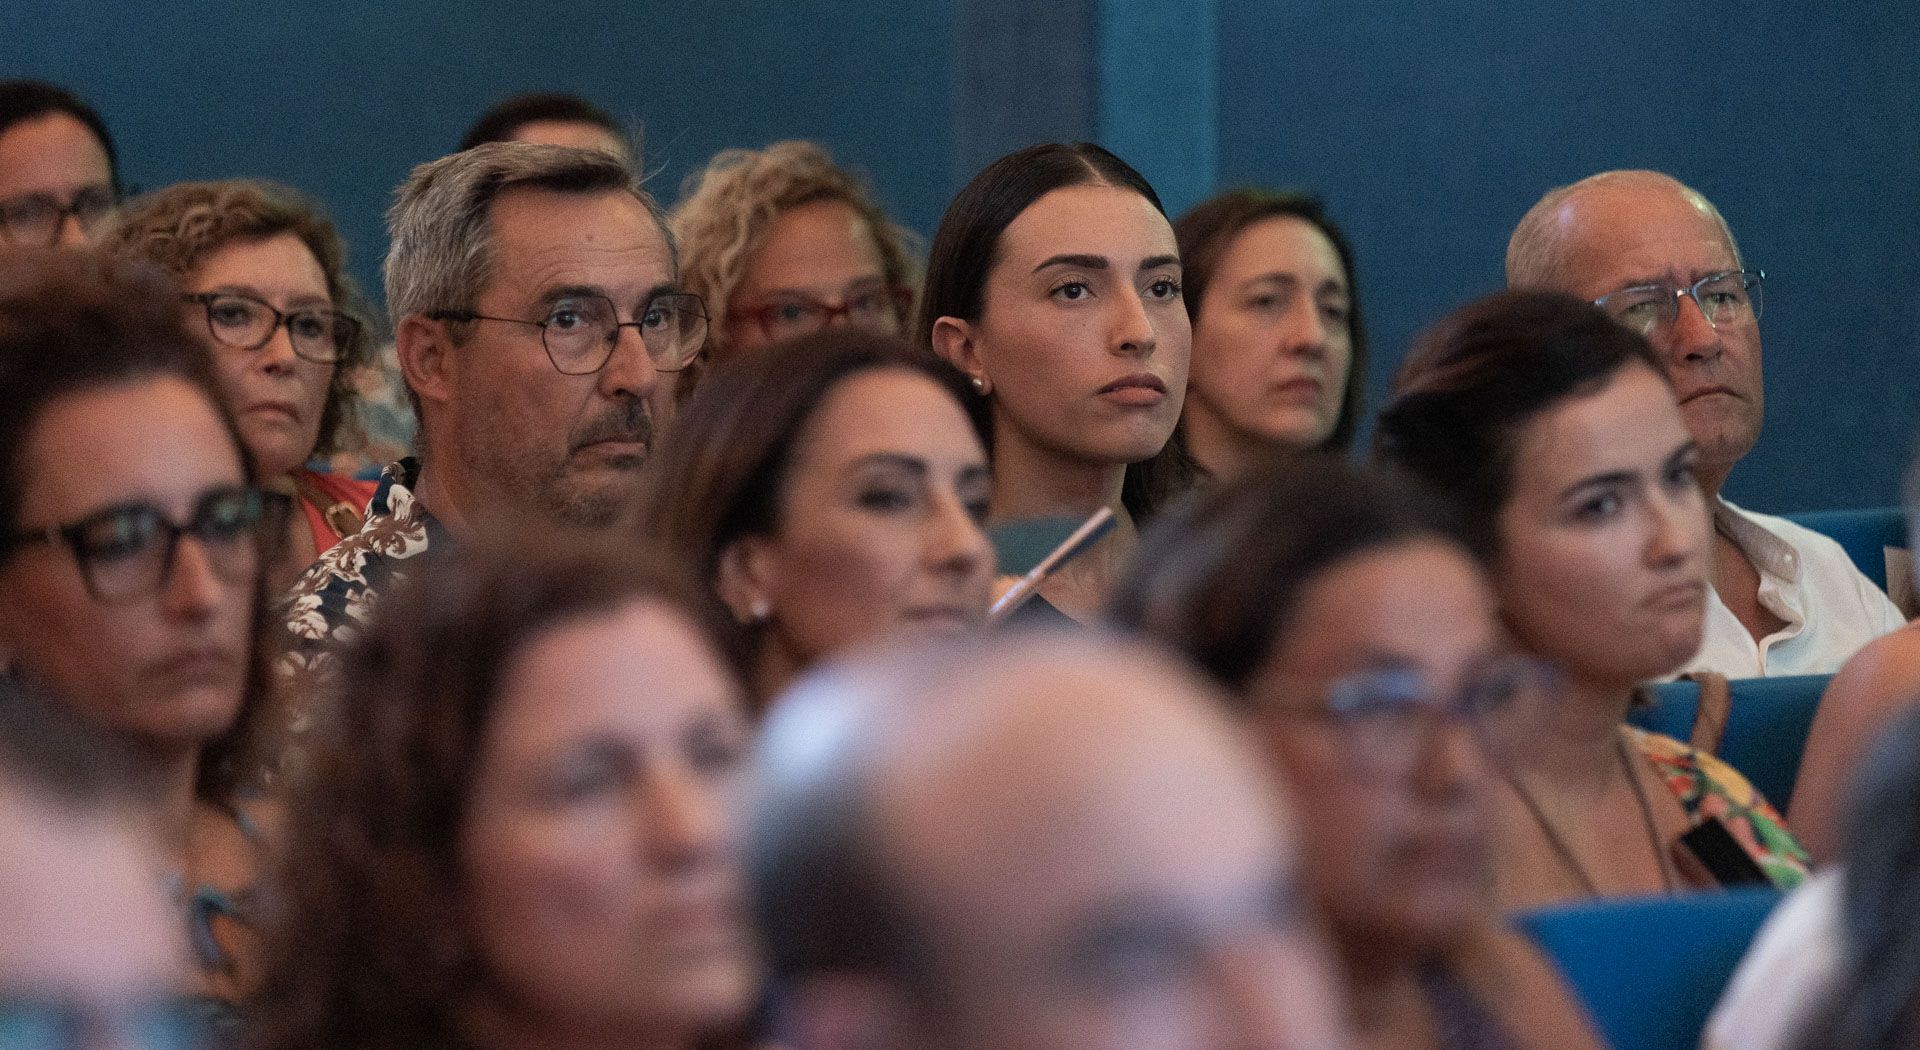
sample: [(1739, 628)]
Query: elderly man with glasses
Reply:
[(1658, 257), (535, 304)]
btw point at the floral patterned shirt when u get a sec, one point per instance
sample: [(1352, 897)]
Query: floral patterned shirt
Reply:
[(333, 603), (1708, 787)]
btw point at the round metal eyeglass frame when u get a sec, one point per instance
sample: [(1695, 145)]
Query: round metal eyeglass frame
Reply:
[(344, 328), (1646, 307), (591, 314)]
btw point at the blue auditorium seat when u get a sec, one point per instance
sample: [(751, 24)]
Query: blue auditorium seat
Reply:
[(1651, 968), (1865, 534), (1766, 731)]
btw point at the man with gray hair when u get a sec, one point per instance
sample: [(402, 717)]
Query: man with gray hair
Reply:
[(1049, 841), (1658, 256), (534, 297)]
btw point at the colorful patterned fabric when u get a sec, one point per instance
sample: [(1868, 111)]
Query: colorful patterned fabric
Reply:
[(1708, 787), (333, 603)]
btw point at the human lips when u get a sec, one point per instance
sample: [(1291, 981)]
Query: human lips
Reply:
[(943, 617), (271, 406), (1140, 390), (197, 665), (1708, 391), (1682, 596)]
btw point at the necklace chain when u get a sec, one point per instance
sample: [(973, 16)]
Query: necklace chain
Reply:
[(1565, 852)]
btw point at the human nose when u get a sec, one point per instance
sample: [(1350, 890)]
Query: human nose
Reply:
[(1449, 762), (1133, 330), (1690, 336), (1679, 532), (629, 370), (681, 814), (191, 589), (70, 234), (277, 354), (956, 544), (1306, 332)]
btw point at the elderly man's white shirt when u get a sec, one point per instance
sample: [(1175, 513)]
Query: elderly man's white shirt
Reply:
[(1806, 579)]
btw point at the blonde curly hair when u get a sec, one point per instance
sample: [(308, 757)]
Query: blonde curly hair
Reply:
[(726, 209), (177, 227)]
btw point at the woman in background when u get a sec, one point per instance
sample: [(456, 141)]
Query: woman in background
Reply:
[(266, 289), (1279, 347), (831, 490)]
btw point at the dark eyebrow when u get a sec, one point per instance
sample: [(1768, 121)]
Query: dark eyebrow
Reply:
[(1610, 478), (896, 460), (1089, 262), (1154, 262)]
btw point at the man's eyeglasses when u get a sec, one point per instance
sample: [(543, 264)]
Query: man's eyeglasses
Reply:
[(127, 552), (880, 309), (1727, 297), (319, 333), (1387, 715), (33, 219), (41, 1024), (581, 331)]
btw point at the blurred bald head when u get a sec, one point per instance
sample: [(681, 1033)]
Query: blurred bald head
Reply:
[(1030, 842)]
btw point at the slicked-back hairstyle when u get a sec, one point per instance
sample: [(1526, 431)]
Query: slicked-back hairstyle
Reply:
[(1218, 580), (966, 248), (440, 229), (1537, 254), (372, 946), (24, 100), (505, 118), (727, 209), (179, 226), (721, 472), (1209, 228), (76, 321), (1475, 379)]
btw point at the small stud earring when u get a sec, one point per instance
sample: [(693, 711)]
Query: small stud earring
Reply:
[(979, 384), (760, 611)]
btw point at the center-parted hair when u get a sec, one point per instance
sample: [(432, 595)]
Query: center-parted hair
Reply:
[(24, 100), (1475, 379), (1207, 230), (1218, 580), (371, 946)]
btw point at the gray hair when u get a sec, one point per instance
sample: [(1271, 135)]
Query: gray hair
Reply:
[(1536, 254), (441, 251)]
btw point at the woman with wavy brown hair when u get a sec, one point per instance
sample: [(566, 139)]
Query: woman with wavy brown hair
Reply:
[(265, 287), (529, 840)]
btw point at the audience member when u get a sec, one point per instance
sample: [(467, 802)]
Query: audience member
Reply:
[(1659, 258), (1051, 842), (1557, 431), (515, 274), (1054, 284), (267, 290), (554, 119), (1359, 642), (1279, 349), (530, 839), (58, 173), (781, 242), (831, 490), (89, 954), (130, 559), (1875, 684)]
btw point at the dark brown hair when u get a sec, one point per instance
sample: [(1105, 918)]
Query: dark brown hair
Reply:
[(967, 248), (370, 947), (1210, 227), (179, 226), (74, 321), (1218, 580), (24, 100), (721, 472), (1479, 375)]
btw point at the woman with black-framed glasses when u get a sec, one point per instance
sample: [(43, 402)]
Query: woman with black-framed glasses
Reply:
[(266, 290), (132, 547)]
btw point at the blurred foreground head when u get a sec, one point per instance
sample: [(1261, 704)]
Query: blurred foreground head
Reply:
[(90, 954), (1053, 842)]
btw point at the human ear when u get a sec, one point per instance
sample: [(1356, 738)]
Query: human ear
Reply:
[(743, 580), (956, 341), (425, 350)]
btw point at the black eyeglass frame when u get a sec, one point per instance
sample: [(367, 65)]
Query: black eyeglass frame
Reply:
[(266, 509), (73, 207), (686, 354), (346, 326)]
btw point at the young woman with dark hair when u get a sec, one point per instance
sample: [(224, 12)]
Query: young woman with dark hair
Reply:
[(1054, 283), (1555, 428), (1357, 637), (831, 490)]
